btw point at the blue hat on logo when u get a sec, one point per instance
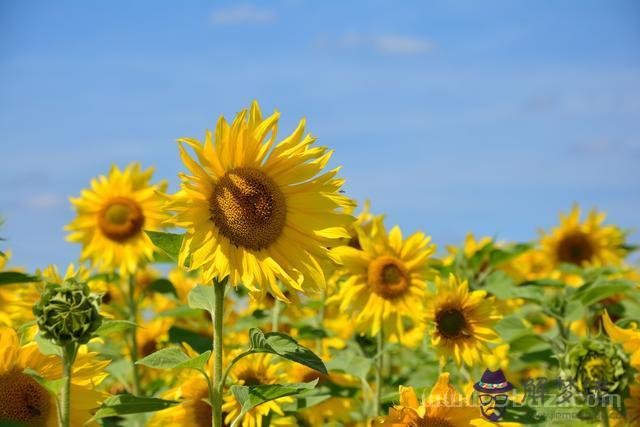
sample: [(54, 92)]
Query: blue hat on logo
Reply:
[(493, 382)]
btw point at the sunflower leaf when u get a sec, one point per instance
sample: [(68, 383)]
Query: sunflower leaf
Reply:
[(111, 326), (14, 277), (350, 362), (168, 243), (202, 297), (252, 396), (162, 286), (174, 358), (124, 404), (286, 347), (599, 291)]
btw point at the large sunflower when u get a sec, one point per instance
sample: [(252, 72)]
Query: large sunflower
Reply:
[(112, 216), (256, 212), (24, 401), (461, 322), (443, 407), (385, 280), (588, 243)]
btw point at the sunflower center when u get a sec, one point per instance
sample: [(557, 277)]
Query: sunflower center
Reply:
[(202, 410), (23, 400), (248, 208), (388, 277), (121, 219), (451, 323), (149, 347), (575, 248), (250, 380), (433, 422)]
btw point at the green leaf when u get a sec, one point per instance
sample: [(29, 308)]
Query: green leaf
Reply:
[(174, 358), (109, 327), (54, 386), (500, 256), (202, 297), (602, 290), (47, 347), (252, 396), (286, 347), (124, 404), (198, 342), (350, 362), (162, 286), (14, 277), (168, 243)]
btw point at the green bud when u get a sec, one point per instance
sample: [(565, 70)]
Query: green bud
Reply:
[(68, 313), (599, 367)]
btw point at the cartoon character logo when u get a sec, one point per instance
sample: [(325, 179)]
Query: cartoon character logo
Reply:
[(492, 392)]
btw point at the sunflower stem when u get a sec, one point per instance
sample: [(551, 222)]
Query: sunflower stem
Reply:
[(377, 397), (275, 315), (604, 416), (133, 317), (320, 321), (68, 358), (216, 371)]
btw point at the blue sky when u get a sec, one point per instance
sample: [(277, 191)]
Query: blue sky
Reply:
[(452, 116)]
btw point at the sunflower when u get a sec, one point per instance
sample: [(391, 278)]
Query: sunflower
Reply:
[(385, 280), (461, 322), (25, 401), (629, 338), (443, 407), (471, 247), (590, 243), (255, 212), (255, 370), (112, 216), (336, 408)]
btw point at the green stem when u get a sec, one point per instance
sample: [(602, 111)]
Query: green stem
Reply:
[(133, 317), (604, 416), (320, 322), (68, 358), (379, 366), (275, 315), (216, 371)]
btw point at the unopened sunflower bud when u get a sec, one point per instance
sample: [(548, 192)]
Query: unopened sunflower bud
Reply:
[(599, 367), (68, 313)]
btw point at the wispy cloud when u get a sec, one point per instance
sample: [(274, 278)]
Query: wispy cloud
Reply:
[(242, 14), (44, 201), (387, 44)]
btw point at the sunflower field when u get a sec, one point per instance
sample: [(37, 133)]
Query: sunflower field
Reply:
[(260, 294)]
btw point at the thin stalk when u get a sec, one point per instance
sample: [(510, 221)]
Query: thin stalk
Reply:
[(216, 371), (320, 321), (275, 315), (68, 358), (604, 416), (133, 317), (377, 397)]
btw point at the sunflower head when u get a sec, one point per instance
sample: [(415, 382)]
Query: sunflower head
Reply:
[(68, 313), (586, 243), (257, 211), (112, 216), (461, 322)]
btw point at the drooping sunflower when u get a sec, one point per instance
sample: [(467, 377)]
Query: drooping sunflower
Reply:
[(588, 243), (112, 216), (385, 280), (461, 322), (257, 211), (443, 407), (23, 400)]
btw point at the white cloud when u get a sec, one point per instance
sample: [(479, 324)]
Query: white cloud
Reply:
[(44, 201), (386, 44), (402, 45), (242, 14)]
